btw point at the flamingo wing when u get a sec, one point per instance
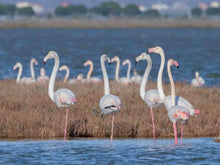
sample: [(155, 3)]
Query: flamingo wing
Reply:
[(110, 104), (152, 98), (64, 97)]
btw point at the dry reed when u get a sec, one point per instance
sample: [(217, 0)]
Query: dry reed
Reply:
[(27, 112), (110, 23)]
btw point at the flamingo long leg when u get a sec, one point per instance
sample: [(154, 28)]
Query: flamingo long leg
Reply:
[(113, 116), (175, 133), (67, 109), (181, 133), (152, 117)]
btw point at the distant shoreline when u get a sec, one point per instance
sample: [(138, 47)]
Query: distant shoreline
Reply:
[(109, 23)]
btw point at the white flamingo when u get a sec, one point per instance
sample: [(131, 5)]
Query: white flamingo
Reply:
[(198, 81), (151, 97), (89, 78), (136, 78), (126, 80), (20, 69), (62, 97), (109, 104), (65, 79), (117, 60), (26, 80), (176, 112), (42, 78), (167, 99)]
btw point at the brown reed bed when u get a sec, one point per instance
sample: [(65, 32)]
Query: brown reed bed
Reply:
[(112, 22), (27, 112)]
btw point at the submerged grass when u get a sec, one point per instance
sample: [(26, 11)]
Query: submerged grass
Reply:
[(27, 112)]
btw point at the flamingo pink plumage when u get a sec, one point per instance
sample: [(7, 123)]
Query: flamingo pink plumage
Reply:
[(176, 112), (62, 97)]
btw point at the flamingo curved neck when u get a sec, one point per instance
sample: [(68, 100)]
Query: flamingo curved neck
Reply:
[(159, 77), (32, 69), (145, 78), (129, 69), (117, 69), (67, 74), (105, 77), (19, 73), (90, 71), (172, 85), (52, 77)]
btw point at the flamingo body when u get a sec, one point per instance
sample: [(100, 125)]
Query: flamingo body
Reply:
[(152, 98), (64, 97), (198, 81), (109, 104)]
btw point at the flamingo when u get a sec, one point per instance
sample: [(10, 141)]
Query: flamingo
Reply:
[(109, 104), (89, 78), (151, 97), (176, 112), (126, 80), (42, 78), (198, 81), (167, 99), (71, 81), (117, 60), (136, 78), (62, 97), (25, 80)]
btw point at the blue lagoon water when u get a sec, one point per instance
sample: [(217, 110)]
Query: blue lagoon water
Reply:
[(194, 49), (96, 151)]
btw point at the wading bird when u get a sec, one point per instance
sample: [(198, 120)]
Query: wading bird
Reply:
[(198, 81), (167, 99), (109, 104), (151, 97), (62, 97), (89, 78), (42, 78), (175, 111)]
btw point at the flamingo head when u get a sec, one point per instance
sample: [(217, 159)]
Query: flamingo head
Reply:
[(173, 62), (125, 62), (16, 66), (33, 60), (156, 49), (63, 67), (88, 62), (143, 56), (105, 57), (115, 59), (50, 55)]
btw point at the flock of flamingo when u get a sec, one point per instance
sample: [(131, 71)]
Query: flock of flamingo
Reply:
[(178, 108)]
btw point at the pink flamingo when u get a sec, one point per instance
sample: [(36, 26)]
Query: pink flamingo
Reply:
[(167, 99), (198, 81), (89, 78), (62, 97), (151, 97), (109, 104), (176, 112)]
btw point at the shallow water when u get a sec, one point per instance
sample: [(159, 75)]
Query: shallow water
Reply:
[(194, 49), (101, 151)]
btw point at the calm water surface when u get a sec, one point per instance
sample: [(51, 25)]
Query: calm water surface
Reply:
[(128, 151), (194, 49)]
